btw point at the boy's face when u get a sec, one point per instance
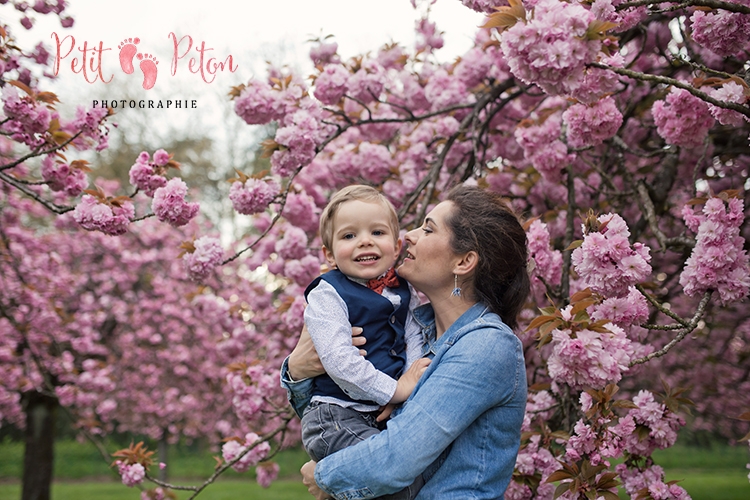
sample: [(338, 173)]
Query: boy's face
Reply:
[(364, 245)]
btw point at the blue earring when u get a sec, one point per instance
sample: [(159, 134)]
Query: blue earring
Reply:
[(456, 289)]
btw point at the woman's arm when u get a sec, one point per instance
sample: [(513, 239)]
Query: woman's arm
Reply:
[(469, 378)]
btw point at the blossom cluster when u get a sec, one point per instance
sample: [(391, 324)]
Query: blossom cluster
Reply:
[(590, 358), (94, 215), (662, 425), (132, 474), (253, 196), (207, 254), (719, 260), (650, 479), (547, 262), (682, 119), (169, 203), (723, 32), (249, 389), (148, 176), (24, 119), (729, 92), (630, 309), (532, 460), (606, 261), (61, 176), (591, 125), (89, 123), (234, 448), (543, 148), (551, 49)]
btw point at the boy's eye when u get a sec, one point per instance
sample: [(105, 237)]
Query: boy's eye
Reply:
[(378, 232), (349, 236)]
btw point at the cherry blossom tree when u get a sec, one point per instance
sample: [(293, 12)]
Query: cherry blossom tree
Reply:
[(619, 129)]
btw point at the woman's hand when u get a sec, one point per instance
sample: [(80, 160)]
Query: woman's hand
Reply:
[(304, 361), (308, 478)]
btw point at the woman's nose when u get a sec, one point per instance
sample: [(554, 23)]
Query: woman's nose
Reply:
[(410, 237)]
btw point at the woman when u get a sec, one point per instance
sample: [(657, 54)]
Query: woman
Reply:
[(460, 429)]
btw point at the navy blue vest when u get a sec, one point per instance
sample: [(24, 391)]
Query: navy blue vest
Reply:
[(382, 326)]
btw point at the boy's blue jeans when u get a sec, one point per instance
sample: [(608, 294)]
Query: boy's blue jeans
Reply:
[(328, 428)]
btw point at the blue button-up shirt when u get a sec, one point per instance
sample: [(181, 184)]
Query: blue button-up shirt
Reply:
[(461, 426)]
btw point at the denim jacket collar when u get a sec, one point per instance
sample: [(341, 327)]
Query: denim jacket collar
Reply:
[(424, 315)]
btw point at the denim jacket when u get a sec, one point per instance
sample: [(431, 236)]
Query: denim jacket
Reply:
[(461, 426)]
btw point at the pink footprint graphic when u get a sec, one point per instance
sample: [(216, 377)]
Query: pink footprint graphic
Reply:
[(148, 66), (127, 51)]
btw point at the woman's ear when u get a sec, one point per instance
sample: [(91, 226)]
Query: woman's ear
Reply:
[(467, 264)]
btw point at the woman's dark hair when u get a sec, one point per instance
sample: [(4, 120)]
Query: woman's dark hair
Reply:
[(483, 222)]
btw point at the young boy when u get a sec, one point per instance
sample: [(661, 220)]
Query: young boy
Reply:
[(359, 232)]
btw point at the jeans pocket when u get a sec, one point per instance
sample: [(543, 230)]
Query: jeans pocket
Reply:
[(313, 433)]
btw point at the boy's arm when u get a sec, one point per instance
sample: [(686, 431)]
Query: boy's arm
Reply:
[(327, 320)]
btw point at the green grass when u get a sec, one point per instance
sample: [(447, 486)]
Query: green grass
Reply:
[(80, 473), (222, 490)]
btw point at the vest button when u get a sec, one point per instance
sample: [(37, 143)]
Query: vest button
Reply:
[(393, 352), (393, 319)]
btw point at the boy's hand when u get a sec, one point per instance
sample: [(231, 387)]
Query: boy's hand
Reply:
[(409, 380), (385, 412)]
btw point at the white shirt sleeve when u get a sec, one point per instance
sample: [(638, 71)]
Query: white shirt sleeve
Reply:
[(327, 320)]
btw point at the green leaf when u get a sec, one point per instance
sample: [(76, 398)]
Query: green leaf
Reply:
[(562, 488)]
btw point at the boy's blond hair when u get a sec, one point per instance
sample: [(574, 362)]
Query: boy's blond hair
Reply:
[(355, 192)]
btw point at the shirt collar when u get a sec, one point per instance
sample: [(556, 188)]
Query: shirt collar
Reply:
[(424, 315)]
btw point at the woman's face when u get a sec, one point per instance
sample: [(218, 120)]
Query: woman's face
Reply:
[(430, 260)]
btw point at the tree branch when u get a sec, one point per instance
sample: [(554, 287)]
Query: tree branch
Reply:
[(52, 207), (689, 327), (714, 4), (676, 83)]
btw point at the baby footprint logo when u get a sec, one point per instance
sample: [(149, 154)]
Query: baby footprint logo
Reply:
[(127, 52), (149, 69)]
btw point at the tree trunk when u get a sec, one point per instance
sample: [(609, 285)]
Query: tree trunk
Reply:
[(40, 439), (162, 454)]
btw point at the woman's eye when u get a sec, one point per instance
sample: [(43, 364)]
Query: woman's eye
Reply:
[(426, 229)]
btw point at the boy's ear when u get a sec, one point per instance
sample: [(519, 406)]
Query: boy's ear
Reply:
[(399, 246), (329, 257)]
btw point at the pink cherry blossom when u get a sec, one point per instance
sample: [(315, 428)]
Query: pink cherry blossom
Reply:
[(331, 84), (258, 104), (591, 125), (62, 177), (607, 262), (253, 195), (233, 449), (109, 219), (207, 255), (719, 260), (143, 174), (589, 358), (132, 474), (170, 206), (550, 48), (729, 92), (726, 33), (682, 118)]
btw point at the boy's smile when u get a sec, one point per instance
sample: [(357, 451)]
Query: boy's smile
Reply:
[(364, 245)]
